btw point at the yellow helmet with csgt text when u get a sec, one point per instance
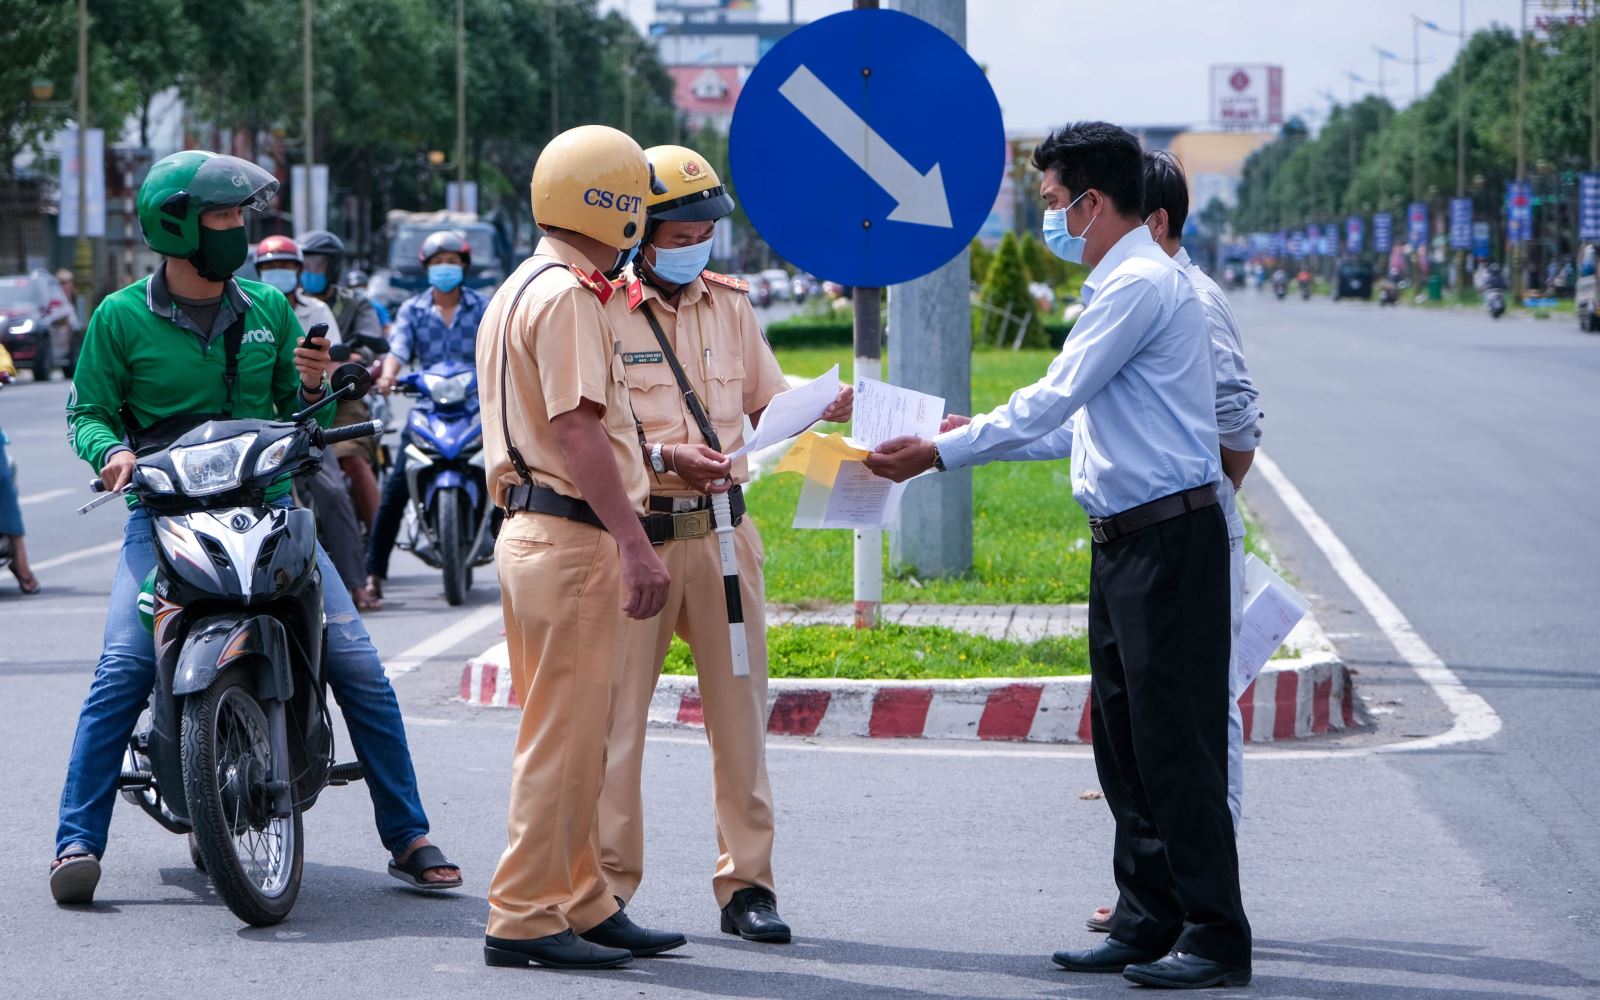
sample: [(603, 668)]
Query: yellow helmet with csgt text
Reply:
[(593, 180), (689, 189)]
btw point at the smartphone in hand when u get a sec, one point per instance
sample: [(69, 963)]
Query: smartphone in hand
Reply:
[(316, 338)]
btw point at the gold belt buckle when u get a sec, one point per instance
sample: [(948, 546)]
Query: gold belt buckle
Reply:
[(693, 524)]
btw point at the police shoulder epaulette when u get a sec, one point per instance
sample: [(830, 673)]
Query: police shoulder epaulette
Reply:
[(727, 281), (635, 293), (593, 282)]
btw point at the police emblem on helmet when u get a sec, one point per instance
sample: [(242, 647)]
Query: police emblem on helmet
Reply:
[(690, 170)]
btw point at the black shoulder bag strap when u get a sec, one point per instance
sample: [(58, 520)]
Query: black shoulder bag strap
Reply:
[(232, 341), (690, 397), (505, 366)]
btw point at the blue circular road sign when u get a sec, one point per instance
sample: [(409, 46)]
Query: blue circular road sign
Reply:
[(867, 148)]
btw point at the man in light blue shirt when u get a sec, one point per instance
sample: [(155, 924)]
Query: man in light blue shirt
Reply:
[(1137, 383)]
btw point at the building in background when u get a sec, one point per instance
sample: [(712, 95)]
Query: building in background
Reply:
[(709, 48)]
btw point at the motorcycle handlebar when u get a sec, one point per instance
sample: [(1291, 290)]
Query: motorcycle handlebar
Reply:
[(367, 428)]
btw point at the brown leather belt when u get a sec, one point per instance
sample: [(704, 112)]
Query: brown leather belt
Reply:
[(1106, 529)]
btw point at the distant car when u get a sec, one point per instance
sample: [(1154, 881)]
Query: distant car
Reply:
[(778, 280), (61, 316), (25, 325), (1354, 280)]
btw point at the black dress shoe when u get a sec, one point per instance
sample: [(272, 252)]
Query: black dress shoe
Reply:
[(617, 931), (753, 915), (1109, 955), (553, 951), (1182, 970)]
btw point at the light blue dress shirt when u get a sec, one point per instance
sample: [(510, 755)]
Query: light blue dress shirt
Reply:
[(1133, 390)]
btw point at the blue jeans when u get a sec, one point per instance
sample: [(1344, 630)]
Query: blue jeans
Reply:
[(126, 675)]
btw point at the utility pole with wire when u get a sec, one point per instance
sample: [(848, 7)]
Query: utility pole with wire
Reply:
[(554, 70), (461, 100), (83, 253), (306, 120), (1522, 153)]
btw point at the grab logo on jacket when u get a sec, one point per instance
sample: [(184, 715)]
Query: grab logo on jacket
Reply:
[(259, 337)]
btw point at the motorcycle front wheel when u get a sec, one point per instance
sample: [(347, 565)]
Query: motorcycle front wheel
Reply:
[(253, 858), (450, 528)]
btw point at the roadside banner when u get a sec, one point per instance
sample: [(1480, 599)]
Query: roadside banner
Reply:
[(1519, 211), (1297, 245), (1382, 232), (1460, 223), (1353, 234), (1480, 240), (1417, 224), (1589, 207)]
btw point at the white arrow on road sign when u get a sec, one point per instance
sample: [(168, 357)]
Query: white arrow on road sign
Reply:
[(919, 198)]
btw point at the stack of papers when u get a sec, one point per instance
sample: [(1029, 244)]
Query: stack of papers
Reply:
[(1272, 608)]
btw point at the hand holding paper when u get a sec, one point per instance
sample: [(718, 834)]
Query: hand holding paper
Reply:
[(792, 412)]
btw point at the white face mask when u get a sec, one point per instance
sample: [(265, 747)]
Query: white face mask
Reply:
[(282, 278)]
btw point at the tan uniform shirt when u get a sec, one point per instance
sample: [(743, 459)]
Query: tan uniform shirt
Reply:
[(714, 332), (561, 351)]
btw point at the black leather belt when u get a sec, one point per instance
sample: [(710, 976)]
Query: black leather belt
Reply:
[(676, 518), (1106, 529), (660, 526), (544, 500)]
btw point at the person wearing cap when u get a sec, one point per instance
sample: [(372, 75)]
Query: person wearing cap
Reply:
[(155, 365), (574, 562), (673, 314), (437, 325), (281, 264)]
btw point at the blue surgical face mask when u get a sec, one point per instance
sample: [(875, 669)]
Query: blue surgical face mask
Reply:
[(624, 258), (444, 277), (314, 282), (1060, 241), (281, 278), (681, 265)]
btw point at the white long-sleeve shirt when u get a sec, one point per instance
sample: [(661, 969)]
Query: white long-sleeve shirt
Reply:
[(1136, 380)]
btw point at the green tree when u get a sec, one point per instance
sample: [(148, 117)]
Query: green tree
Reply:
[(143, 48), (1005, 289), (40, 46)]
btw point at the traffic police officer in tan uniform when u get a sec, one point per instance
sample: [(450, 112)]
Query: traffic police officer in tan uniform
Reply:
[(678, 323), (573, 558)]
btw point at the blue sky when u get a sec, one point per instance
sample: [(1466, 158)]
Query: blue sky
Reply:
[(1146, 62)]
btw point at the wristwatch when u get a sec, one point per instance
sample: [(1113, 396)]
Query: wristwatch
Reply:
[(656, 462), (938, 461), (321, 388)]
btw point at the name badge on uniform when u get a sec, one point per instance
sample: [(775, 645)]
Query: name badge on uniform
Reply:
[(643, 358)]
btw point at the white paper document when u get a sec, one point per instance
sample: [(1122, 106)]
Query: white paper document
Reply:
[(1272, 609), (839, 491), (793, 411)]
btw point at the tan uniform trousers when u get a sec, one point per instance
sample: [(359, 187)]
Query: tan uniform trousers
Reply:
[(735, 717), (560, 583)]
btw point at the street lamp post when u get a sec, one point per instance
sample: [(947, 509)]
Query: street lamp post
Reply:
[(83, 253), (1461, 123), (1522, 153), (461, 100), (308, 112)]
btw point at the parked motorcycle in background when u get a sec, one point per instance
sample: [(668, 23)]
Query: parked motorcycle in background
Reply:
[(449, 522), (1280, 284)]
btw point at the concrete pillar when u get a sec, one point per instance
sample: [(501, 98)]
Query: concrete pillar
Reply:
[(930, 350)]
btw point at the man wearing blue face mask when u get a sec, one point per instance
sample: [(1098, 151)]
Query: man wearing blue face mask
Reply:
[(1132, 397), (696, 365), (432, 327)]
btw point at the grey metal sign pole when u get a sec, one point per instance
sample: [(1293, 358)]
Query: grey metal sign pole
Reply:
[(930, 350)]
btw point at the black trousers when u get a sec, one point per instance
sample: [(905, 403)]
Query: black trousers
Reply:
[(1159, 642)]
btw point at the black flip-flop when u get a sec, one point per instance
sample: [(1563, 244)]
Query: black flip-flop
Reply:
[(422, 859), (73, 877)]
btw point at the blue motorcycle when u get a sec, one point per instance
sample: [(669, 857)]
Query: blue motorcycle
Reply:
[(449, 521)]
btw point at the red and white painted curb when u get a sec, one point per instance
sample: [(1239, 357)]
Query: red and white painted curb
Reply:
[(1292, 699)]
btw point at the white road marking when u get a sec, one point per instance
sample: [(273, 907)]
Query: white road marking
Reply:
[(1474, 718), (88, 553), (46, 495), (437, 643)]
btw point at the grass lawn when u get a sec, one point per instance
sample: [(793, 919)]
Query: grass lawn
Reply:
[(1030, 541), (898, 652)]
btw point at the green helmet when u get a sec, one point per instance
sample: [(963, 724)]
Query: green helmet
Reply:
[(182, 186)]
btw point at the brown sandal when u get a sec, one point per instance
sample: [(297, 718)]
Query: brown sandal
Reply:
[(366, 600)]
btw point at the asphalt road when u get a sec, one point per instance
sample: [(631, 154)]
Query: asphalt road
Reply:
[(1447, 452)]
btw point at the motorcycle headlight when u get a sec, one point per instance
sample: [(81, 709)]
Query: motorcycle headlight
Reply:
[(156, 479), (26, 326), (209, 468), (273, 456), (448, 391)]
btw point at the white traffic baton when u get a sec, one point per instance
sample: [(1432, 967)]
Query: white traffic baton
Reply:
[(722, 519)]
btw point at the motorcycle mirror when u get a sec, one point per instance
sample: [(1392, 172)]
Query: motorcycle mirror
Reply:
[(352, 380), (339, 352)]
